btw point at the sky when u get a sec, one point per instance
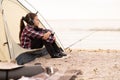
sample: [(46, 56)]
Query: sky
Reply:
[(78, 9)]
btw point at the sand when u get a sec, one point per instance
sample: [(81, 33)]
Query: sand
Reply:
[(84, 65)]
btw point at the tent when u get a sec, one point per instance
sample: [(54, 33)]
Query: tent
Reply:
[(11, 12)]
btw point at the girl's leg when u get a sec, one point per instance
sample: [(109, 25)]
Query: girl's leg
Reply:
[(36, 43), (51, 50), (57, 49)]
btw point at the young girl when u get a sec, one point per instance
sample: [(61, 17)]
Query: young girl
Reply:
[(33, 37)]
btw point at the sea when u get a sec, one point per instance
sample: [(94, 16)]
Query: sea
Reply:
[(87, 34)]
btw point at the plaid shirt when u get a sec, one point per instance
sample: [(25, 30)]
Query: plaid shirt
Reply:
[(29, 32)]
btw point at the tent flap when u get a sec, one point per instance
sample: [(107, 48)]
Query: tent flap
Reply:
[(13, 12)]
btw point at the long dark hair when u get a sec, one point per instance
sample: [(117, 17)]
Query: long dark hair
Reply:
[(28, 19)]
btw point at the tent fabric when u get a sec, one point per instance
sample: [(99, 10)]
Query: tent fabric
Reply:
[(11, 12), (3, 48)]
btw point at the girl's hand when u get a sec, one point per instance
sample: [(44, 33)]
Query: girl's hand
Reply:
[(46, 35)]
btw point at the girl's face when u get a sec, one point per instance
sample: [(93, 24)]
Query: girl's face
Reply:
[(36, 21)]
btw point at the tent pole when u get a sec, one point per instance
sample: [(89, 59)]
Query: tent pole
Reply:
[(5, 24)]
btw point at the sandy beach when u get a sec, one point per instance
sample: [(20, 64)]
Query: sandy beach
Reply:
[(84, 65)]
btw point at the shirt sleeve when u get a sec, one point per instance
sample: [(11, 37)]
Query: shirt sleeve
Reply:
[(34, 34), (45, 29)]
